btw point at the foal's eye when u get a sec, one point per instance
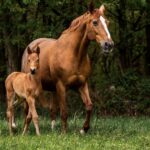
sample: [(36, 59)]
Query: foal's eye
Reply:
[(95, 22)]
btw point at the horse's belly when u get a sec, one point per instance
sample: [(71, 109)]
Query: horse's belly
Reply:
[(75, 80), (48, 85)]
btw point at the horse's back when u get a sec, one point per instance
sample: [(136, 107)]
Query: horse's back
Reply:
[(38, 42)]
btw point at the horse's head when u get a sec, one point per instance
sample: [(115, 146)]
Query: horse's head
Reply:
[(97, 28), (33, 59)]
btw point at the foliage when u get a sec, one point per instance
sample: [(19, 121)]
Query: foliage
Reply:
[(126, 70), (127, 94)]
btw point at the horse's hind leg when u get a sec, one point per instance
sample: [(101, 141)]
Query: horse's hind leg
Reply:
[(88, 104), (61, 93), (51, 105), (53, 110)]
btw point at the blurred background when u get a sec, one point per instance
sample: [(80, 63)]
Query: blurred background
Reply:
[(120, 81)]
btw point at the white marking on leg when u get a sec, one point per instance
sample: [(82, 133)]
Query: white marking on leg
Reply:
[(82, 132), (14, 125), (53, 123), (102, 19)]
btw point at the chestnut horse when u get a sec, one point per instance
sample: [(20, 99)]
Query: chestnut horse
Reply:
[(66, 64), (28, 87)]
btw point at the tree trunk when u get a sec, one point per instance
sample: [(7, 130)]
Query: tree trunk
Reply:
[(147, 54), (123, 44), (11, 54)]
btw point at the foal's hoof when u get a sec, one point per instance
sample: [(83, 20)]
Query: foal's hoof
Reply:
[(14, 126), (38, 134)]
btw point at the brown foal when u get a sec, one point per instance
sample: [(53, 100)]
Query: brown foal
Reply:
[(28, 87)]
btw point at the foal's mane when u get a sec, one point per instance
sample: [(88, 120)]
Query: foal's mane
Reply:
[(77, 22)]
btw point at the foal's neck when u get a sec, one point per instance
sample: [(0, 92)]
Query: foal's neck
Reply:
[(34, 77)]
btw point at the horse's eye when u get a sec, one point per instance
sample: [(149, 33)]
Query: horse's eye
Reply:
[(28, 60), (95, 22)]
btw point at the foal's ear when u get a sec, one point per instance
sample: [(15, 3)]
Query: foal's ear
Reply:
[(102, 9), (91, 6), (38, 50), (29, 50)]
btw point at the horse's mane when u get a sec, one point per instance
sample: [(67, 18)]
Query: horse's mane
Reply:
[(77, 22)]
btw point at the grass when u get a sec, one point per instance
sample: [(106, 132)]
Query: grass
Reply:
[(109, 133)]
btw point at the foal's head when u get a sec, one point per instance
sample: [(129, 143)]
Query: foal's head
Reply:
[(33, 59), (97, 28)]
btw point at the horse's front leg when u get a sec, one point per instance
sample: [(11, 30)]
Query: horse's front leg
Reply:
[(61, 95), (88, 104)]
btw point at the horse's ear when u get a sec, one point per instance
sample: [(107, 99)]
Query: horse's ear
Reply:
[(38, 50), (29, 50), (102, 9), (91, 7)]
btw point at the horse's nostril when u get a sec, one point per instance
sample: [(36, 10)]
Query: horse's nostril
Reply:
[(106, 44)]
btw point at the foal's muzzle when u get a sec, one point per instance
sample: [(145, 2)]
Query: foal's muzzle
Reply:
[(33, 71), (107, 46)]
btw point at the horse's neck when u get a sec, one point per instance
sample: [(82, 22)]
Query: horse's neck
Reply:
[(77, 41), (82, 51)]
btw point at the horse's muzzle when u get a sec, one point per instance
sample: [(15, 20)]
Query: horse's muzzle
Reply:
[(107, 46)]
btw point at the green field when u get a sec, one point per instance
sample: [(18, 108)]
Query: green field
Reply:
[(108, 133)]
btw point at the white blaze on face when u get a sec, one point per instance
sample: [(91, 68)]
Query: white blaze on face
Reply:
[(105, 26)]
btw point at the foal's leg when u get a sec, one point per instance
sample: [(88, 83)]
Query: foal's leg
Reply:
[(28, 117), (15, 103), (61, 95), (33, 112), (27, 121), (10, 109), (88, 104)]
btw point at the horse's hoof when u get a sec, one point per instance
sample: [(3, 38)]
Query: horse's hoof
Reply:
[(82, 132), (53, 123)]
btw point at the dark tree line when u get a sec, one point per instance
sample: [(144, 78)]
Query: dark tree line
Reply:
[(116, 79)]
